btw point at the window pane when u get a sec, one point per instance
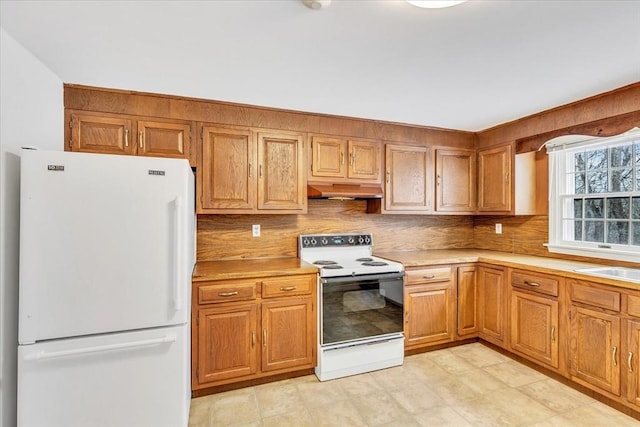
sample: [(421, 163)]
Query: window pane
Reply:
[(618, 207), (637, 179), (637, 153), (635, 209), (594, 231), (618, 232), (579, 161), (597, 182), (597, 159), (577, 208), (593, 208), (578, 180), (622, 180), (635, 238), (621, 156), (577, 230)]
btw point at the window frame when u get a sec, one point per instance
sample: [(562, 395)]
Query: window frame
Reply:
[(561, 152)]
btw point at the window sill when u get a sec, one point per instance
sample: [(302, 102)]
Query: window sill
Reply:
[(613, 254)]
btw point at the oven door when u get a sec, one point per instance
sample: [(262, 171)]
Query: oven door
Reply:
[(361, 307)]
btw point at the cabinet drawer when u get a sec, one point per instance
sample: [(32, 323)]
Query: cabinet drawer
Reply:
[(428, 275), (535, 283), (288, 285), (633, 306), (604, 298), (227, 291)]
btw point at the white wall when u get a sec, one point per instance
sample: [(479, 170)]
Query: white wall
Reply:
[(31, 113)]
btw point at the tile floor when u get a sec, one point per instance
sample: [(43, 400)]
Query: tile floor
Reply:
[(469, 385)]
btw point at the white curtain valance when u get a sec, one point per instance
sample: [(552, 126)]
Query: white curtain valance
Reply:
[(567, 142)]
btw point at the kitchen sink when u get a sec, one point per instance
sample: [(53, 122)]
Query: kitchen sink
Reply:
[(620, 273)]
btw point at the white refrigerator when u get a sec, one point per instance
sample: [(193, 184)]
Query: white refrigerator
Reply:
[(106, 257)]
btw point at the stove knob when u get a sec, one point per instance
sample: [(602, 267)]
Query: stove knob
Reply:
[(360, 240), (313, 242), (305, 243), (325, 241), (367, 240), (351, 240)]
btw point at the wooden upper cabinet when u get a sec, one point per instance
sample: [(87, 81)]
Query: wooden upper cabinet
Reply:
[(246, 171), (164, 139), (281, 172), (340, 160), (408, 180), (364, 160), (495, 179), (103, 133), (455, 180), (93, 133), (226, 172)]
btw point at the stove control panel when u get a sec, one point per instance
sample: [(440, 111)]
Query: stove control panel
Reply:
[(335, 240)]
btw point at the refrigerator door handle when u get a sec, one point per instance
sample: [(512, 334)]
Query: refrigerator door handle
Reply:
[(177, 286), (41, 355)]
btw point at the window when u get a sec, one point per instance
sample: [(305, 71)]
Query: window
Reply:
[(594, 196)]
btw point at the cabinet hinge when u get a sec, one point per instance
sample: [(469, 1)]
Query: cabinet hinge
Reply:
[(202, 134), (198, 372), (569, 314), (569, 363), (71, 133)]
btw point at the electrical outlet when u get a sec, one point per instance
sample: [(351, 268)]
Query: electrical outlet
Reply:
[(498, 228), (255, 230)]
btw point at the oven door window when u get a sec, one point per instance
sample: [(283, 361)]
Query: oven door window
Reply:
[(361, 309)]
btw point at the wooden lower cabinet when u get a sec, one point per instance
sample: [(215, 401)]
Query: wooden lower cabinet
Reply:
[(467, 301), (534, 327), (430, 307), (595, 348), (632, 367), (287, 338), (492, 289), (227, 342), (245, 329)]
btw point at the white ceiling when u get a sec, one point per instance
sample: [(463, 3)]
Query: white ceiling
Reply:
[(468, 67)]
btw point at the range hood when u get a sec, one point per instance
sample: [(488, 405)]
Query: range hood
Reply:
[(343, 191)]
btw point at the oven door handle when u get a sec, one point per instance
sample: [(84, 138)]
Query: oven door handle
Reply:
[(346, 279)]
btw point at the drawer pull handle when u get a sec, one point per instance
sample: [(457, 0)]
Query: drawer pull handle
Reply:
[(614, 352), (227, 294), (429, 276), (264, 337), (534, 284), (629, 359), (140, 140), (553, 334), (288, 288), (126, 137)]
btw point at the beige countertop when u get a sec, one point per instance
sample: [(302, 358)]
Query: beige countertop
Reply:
[(565, 268), (248, 268)]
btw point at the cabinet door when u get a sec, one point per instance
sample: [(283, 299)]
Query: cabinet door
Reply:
[(164, 139), (408, 178), (429, 314), (328, 157), (534, 327), (455, 180), (594, 348), (494, 179), (226, 175), (282, 183), (227, 342), (632, 365), (288, 334), (364, 160), (101, 134), (467, 301), (491, 283)]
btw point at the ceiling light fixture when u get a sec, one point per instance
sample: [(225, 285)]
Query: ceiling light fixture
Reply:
[(316, 4), (436, 4)]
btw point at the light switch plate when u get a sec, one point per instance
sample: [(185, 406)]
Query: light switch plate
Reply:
[(498, 228), (255, 230)]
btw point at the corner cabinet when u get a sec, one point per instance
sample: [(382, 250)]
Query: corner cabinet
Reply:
[(495, 180), (243, 329), (467, 312), (251, 171), (339, 160), (492, 291), (408, 179), (103, 133)]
